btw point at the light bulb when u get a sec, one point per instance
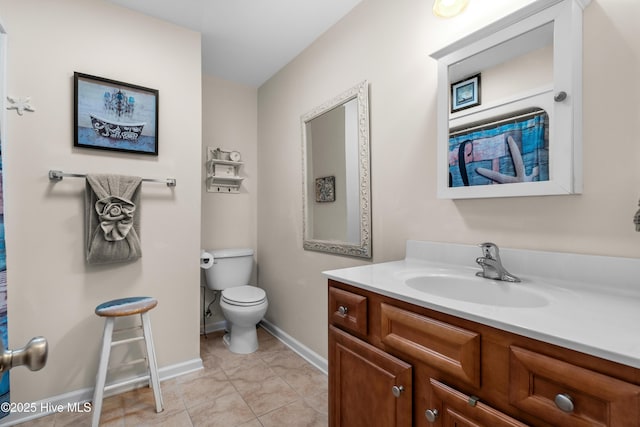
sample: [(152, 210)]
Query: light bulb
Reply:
[(449, 8)]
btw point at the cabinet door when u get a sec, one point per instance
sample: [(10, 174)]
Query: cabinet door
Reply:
[(367, 387), (451, 408)]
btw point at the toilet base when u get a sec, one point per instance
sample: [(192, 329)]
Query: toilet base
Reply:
[(242, 340)]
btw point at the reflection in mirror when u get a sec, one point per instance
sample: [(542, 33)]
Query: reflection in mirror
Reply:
[(528, 66), (499, 141), (523, 63), (335, 145)]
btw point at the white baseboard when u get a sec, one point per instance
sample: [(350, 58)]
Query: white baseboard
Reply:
[(73, 401), (305, 352), (215, 327)]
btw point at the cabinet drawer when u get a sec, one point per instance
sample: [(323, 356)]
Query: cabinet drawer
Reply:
[(589, 398), (348, 310), (451, 407), (445, 347)]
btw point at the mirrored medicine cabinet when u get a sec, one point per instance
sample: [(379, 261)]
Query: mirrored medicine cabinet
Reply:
[(336, 186), (509, 106)]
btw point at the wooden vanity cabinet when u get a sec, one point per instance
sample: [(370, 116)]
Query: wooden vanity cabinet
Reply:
[(392, 363)]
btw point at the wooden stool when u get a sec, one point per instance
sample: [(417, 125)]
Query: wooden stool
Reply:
[(119, 308)]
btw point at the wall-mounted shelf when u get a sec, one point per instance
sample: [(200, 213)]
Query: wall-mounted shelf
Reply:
[(223, 175)]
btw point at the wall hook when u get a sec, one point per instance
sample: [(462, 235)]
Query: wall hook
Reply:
[(20, 105)]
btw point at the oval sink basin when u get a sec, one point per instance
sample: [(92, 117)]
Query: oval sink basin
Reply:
[(476, 290)]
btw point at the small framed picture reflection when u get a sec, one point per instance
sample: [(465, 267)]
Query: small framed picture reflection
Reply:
[(465, 93), (326, 189)]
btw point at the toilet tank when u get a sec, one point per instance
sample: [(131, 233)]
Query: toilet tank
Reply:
[(231, 267)]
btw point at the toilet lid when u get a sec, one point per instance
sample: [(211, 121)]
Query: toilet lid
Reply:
[(244, 295)]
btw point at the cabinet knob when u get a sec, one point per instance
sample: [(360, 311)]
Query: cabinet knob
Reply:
[(397, 390), (431, 415), (564, 402), (343, 310), (560, 96)]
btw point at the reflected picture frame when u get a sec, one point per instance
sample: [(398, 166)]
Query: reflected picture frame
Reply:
[(113, 115), (326, 189), (465, 93)]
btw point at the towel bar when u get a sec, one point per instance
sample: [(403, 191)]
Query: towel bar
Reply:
[(58, 175)]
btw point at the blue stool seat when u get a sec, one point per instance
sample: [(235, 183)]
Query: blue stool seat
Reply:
[(126, 306), (111, 310)]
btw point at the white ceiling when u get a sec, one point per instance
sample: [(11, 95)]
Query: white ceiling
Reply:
[(248, 41)]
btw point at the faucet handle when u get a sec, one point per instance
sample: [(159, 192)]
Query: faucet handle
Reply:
[(487, 244), (489, 249)]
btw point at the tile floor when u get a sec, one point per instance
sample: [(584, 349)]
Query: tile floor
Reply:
[(273, 387)]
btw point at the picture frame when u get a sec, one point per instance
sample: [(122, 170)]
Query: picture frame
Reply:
[(465, 93), (326, 189), (113, 115)]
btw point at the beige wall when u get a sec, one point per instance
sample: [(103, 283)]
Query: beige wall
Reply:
[(51, 291), (389, 44), (229, 121), (522, 74)]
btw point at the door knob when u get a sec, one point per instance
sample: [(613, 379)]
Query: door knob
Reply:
[(33, 355), (343, 310)]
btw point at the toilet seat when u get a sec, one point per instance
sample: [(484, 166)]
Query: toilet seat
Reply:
[(244, 296)]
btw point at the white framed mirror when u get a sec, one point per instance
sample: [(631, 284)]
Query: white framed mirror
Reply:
[(510, 106), (336, 176)]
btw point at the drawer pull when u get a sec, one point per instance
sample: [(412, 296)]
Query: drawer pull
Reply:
[(343, 310), (473, 400), (564, 402), (431, 415), (397, 390)]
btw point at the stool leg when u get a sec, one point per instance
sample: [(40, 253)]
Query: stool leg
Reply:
[(101, 377), (153, 366)]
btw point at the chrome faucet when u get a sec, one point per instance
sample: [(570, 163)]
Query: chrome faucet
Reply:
[(491, 265)]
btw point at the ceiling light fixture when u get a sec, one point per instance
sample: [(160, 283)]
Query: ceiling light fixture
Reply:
[(449, 8)]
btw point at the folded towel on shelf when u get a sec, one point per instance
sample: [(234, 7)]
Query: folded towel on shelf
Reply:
[(112, 216)]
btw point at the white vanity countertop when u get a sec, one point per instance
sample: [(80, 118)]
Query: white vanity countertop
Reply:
[(592, 303)]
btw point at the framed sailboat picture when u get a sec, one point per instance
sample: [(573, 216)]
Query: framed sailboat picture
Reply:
[(112, 115)]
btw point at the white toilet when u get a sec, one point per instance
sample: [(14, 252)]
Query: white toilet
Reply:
[(243, 305)]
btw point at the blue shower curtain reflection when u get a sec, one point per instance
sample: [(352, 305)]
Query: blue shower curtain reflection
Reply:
[(4, 383), (501, 154)]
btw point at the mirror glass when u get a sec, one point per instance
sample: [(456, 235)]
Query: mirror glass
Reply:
[(498, 123), (335, 142), (522, 63), (509, 106)]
